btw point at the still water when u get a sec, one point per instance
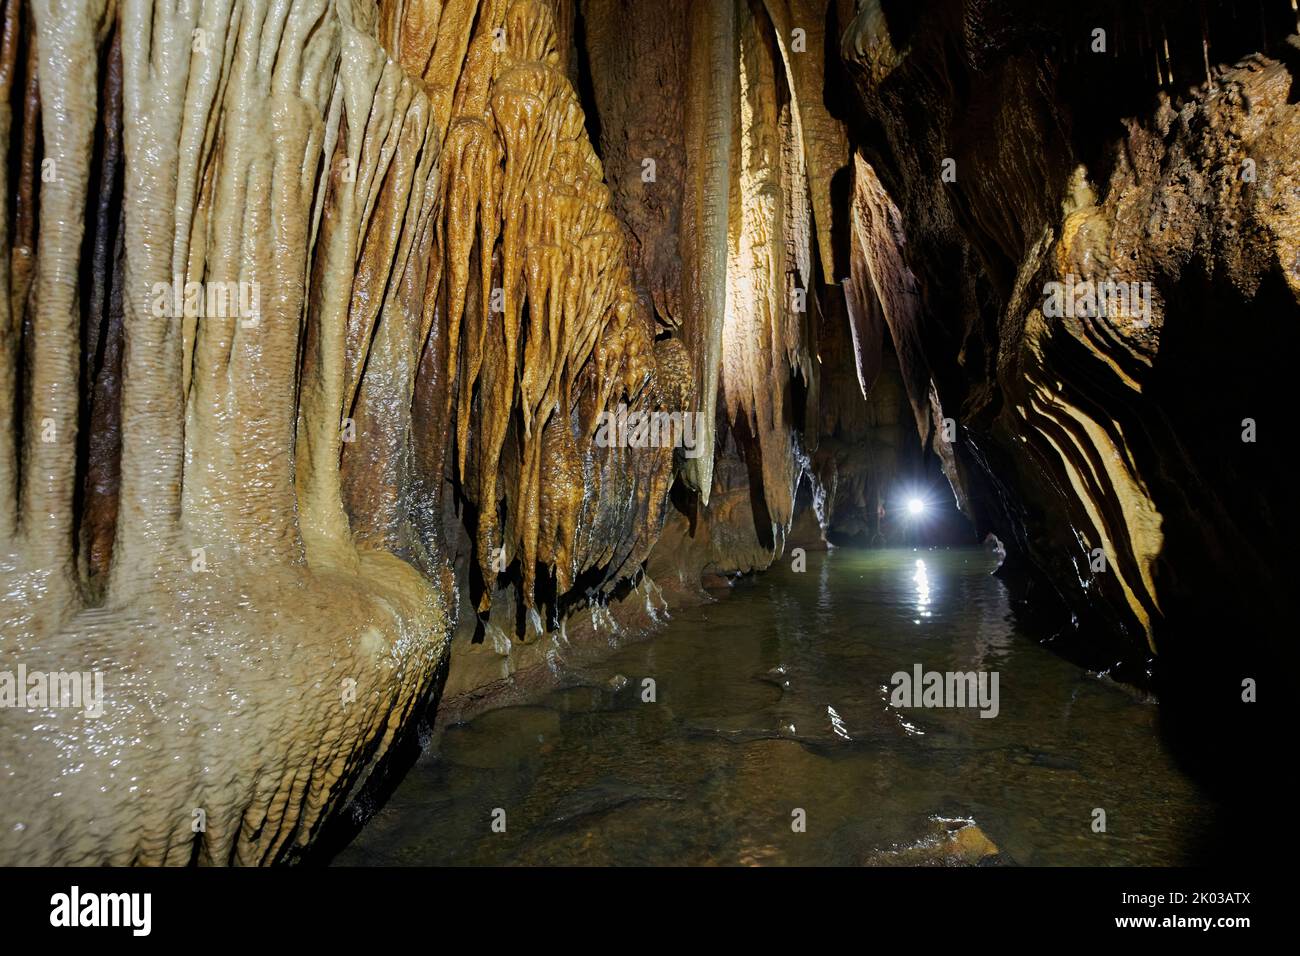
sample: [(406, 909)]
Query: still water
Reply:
[(776, 700)]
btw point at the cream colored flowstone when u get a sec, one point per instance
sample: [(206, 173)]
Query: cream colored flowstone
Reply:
[(259, 640), (253, 660)]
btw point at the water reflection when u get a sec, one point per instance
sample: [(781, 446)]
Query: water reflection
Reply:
[(922, 581), (775, 699)]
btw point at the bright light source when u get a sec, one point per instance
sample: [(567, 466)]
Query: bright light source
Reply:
[(915, 506)]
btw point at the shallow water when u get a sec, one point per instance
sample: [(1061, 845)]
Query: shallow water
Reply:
[(712, 770)]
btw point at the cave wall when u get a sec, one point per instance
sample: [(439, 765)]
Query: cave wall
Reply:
[(243, 512), (731, 240), (719, 155), (1122, 454)]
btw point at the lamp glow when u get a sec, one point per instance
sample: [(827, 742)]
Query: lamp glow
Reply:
[(915, 506)]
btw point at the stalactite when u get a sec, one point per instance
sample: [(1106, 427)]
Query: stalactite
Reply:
[(261, 521), (755, 357), (709, 111), (882, 279), (524, 207), (49, 431), (824, 140)]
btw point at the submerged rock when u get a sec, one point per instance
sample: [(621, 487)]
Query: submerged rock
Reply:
[(948, 842)]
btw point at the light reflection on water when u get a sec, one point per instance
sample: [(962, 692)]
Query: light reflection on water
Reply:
[(777, 698), (922, 588)]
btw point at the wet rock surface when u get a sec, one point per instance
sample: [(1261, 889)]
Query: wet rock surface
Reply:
[(950, 842), (263, 478)]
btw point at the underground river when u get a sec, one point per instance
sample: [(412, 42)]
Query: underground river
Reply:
[(776, 700)]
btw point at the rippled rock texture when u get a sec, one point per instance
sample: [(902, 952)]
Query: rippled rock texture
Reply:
[(313, 314)]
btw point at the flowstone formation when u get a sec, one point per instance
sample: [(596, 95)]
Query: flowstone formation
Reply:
[(289, 285), (719, 153), (318, 314)]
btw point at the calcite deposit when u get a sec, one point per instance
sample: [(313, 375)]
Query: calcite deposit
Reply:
[(313, 310), (237, 514)]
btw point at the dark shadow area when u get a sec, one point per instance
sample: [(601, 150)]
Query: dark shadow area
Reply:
[(585, 88), (380, 778)]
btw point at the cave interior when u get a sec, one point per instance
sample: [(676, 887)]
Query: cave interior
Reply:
[(331, 332)]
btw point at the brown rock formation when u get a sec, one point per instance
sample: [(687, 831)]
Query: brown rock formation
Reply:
[(725, 100)]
